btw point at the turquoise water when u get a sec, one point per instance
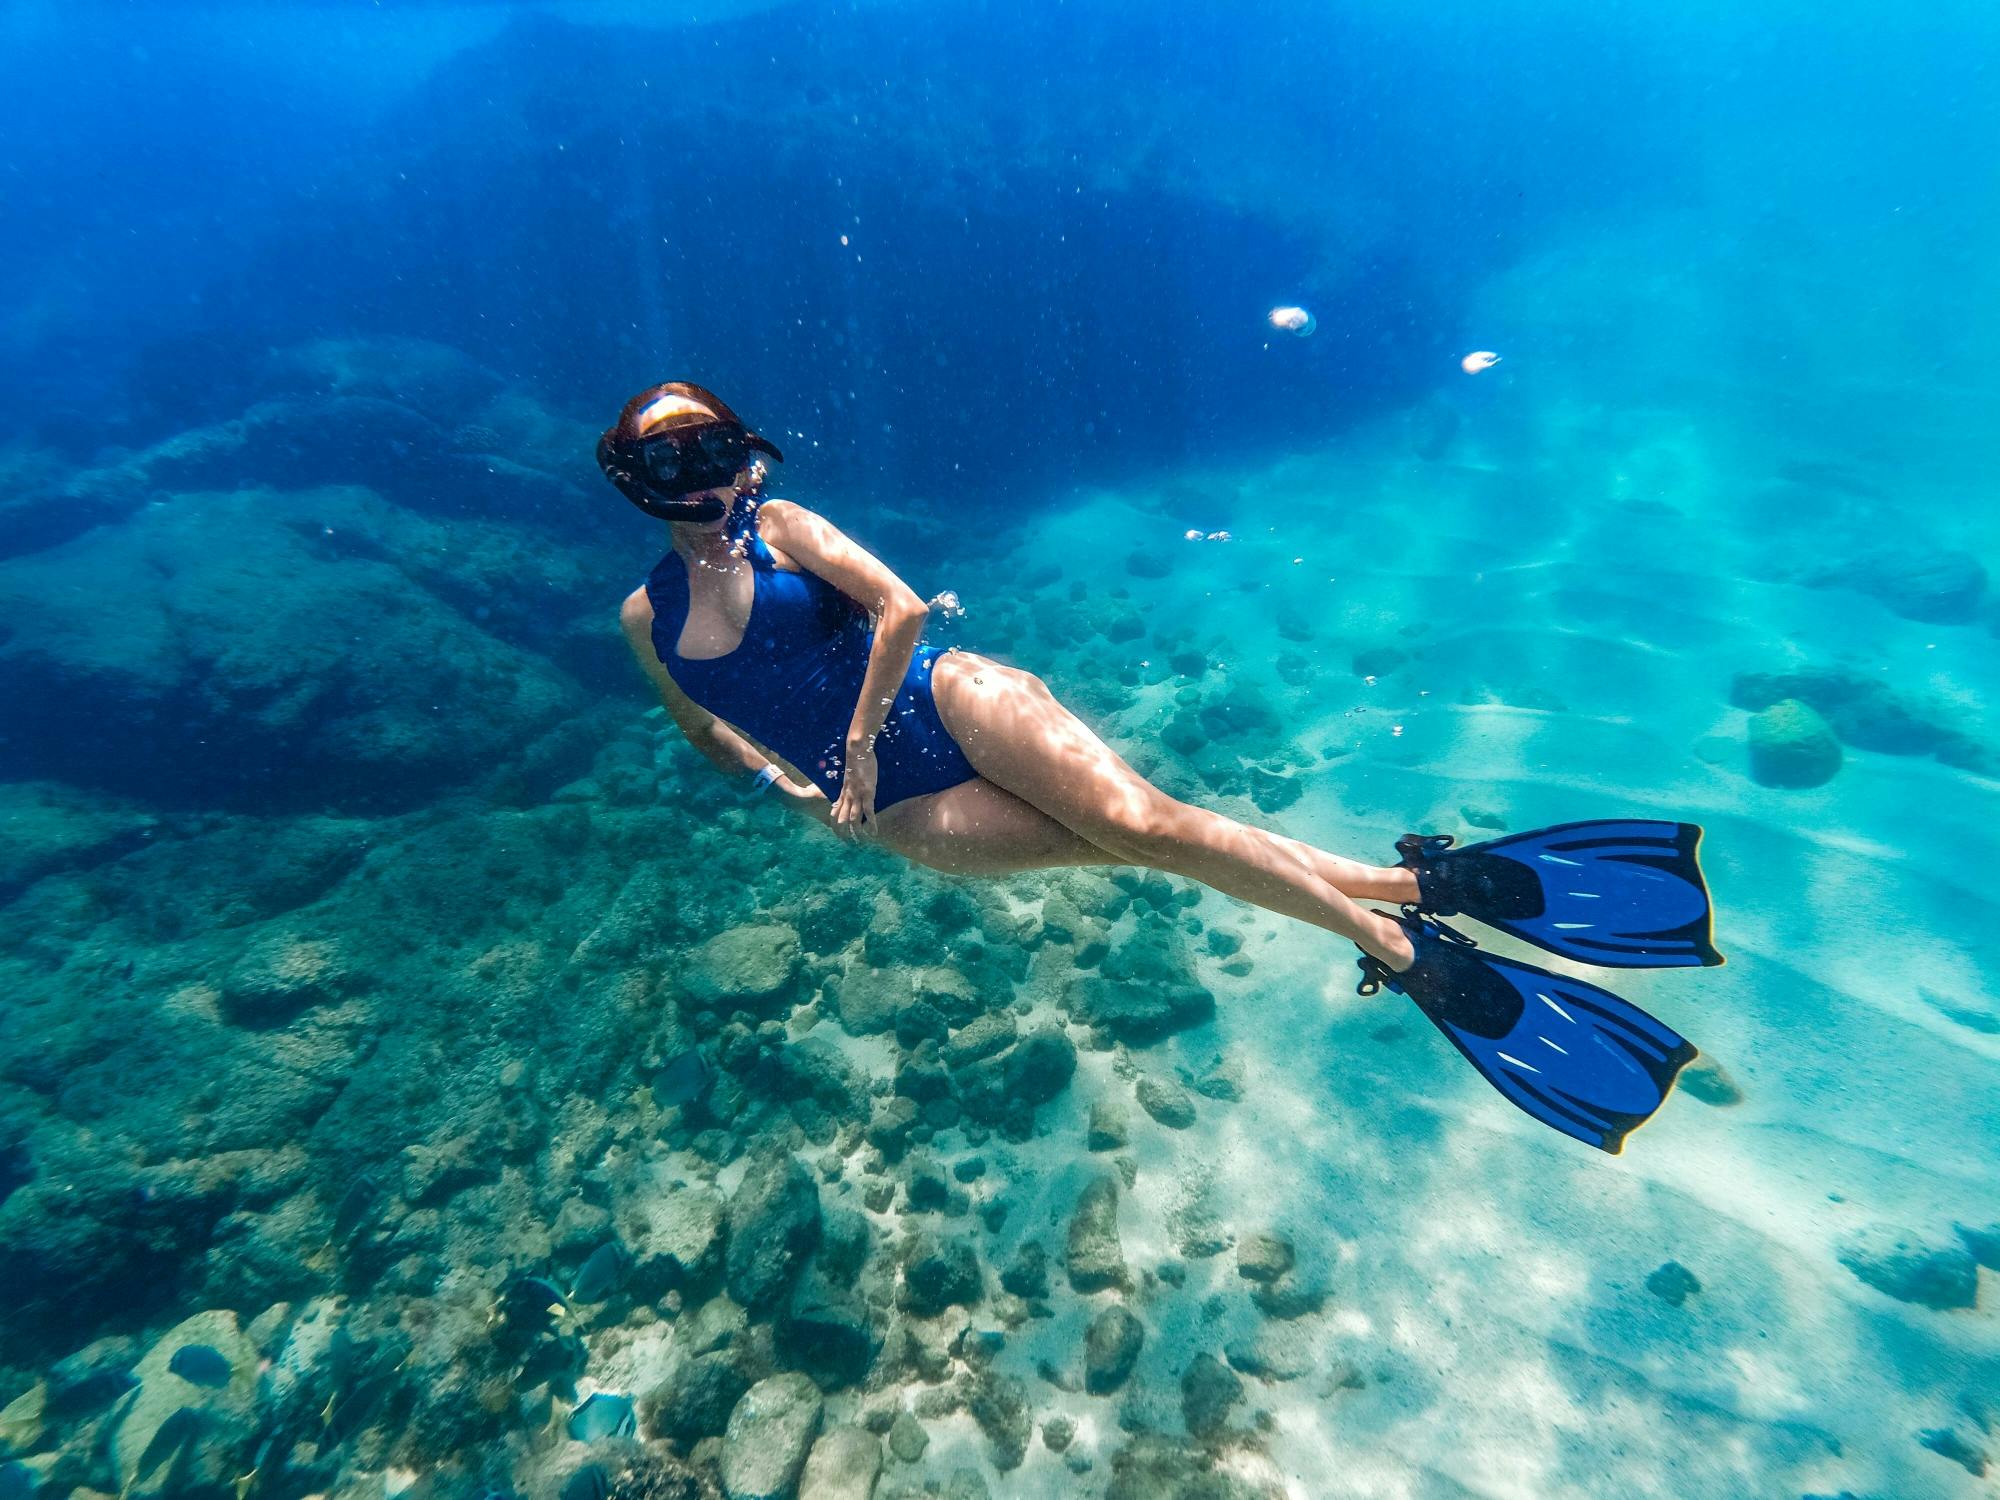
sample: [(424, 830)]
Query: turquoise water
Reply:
[(405, 1037)]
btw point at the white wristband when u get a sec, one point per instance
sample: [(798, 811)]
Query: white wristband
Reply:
[(765, 777)]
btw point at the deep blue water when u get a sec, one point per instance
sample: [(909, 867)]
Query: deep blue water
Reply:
[(338, 845)]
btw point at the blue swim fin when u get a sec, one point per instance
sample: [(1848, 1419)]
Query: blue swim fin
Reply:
[(1574, 1056), (1624, 893)]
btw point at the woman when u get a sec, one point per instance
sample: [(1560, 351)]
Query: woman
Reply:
[(788, 654)]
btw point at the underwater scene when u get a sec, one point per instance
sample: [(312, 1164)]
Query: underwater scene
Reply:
[(460, 1040)]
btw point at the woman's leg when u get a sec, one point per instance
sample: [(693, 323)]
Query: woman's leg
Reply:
[(1020, 738), (975, 828)]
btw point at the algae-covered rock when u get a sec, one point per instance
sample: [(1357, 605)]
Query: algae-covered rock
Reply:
[(177, 1433), (1111, 1348), (1673, 1283), (1095, 1257), (843, 1465), (941, 1272), (1709, 1081), (774, 1224), (999, 1404), (1263, 1257), (1791, 746), (769, 1435), (1166, 1101), (753, 968), (284, 973), (1208, 1390), (1911, 1270)]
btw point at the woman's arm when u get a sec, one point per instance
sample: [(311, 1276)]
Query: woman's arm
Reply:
[(817, 544), (729, 751)]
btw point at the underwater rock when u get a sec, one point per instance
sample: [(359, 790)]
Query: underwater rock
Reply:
[(1027, 1275), (1095, 1257), (1295, 1294), (1984, 1244), (753, 968), (1867, 713), (999, 1404), (695, 1396), (282, 974), (1942, 1277), (769, 1434), (1152, 1467), (1708, 1081), (24, 1421), (683, 1236), (716, 1324), (981, 1037), (1149, 562), (940, 1272), (220, 598), (827, 1328), (89, 1380), (843, 1465), (1274, 1352), (1006, 1088), (1947, 1443), (1935, 586), (890, 1123), (774, 1224), (1791, 746), (1111, 1348), (1263, 1257), (1166, 1101), (1140, 1011), (173, 1433), (907, 1438), (1208, 1390), (1058, 1432), (1673, 1283), (1110, 1126)]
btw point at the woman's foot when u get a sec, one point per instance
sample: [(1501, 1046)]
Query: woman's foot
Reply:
[(1386, 940)]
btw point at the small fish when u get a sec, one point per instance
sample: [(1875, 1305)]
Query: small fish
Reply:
[(681, 1080), (532, 1304), (201, 1364), (603, 1415), (603, 1273), (356, 1205), (1477, 360), (590, 1482), (1293, 320)]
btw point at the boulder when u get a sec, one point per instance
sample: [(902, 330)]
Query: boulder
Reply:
[(1095, 1257), (769, 1435), (844, 1465), (941, 1272), (1263, 1257), (907, 1438), (1166, 1101), (695, 1396), (754, 967), (1906, 1268), (999, 1404), (1110, 1126), (1673, 1283), (1275, 1351), (175, 1433), (1791, 746), (1707, 1080), (1140, 1012), (1208, 1390), (1110, 1349), (774, 1224)]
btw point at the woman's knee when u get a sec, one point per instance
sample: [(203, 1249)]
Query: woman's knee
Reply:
[(1145, 829)]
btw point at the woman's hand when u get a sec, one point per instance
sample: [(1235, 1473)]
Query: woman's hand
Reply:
[(854, 810), (809, 801)]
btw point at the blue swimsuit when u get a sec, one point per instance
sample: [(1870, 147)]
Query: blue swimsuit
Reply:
[(793, 682)]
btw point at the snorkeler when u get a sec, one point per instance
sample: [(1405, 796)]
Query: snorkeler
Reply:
[(790, 656)]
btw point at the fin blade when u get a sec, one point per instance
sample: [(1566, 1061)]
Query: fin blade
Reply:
[(1623, 893), (1573, 1056)]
